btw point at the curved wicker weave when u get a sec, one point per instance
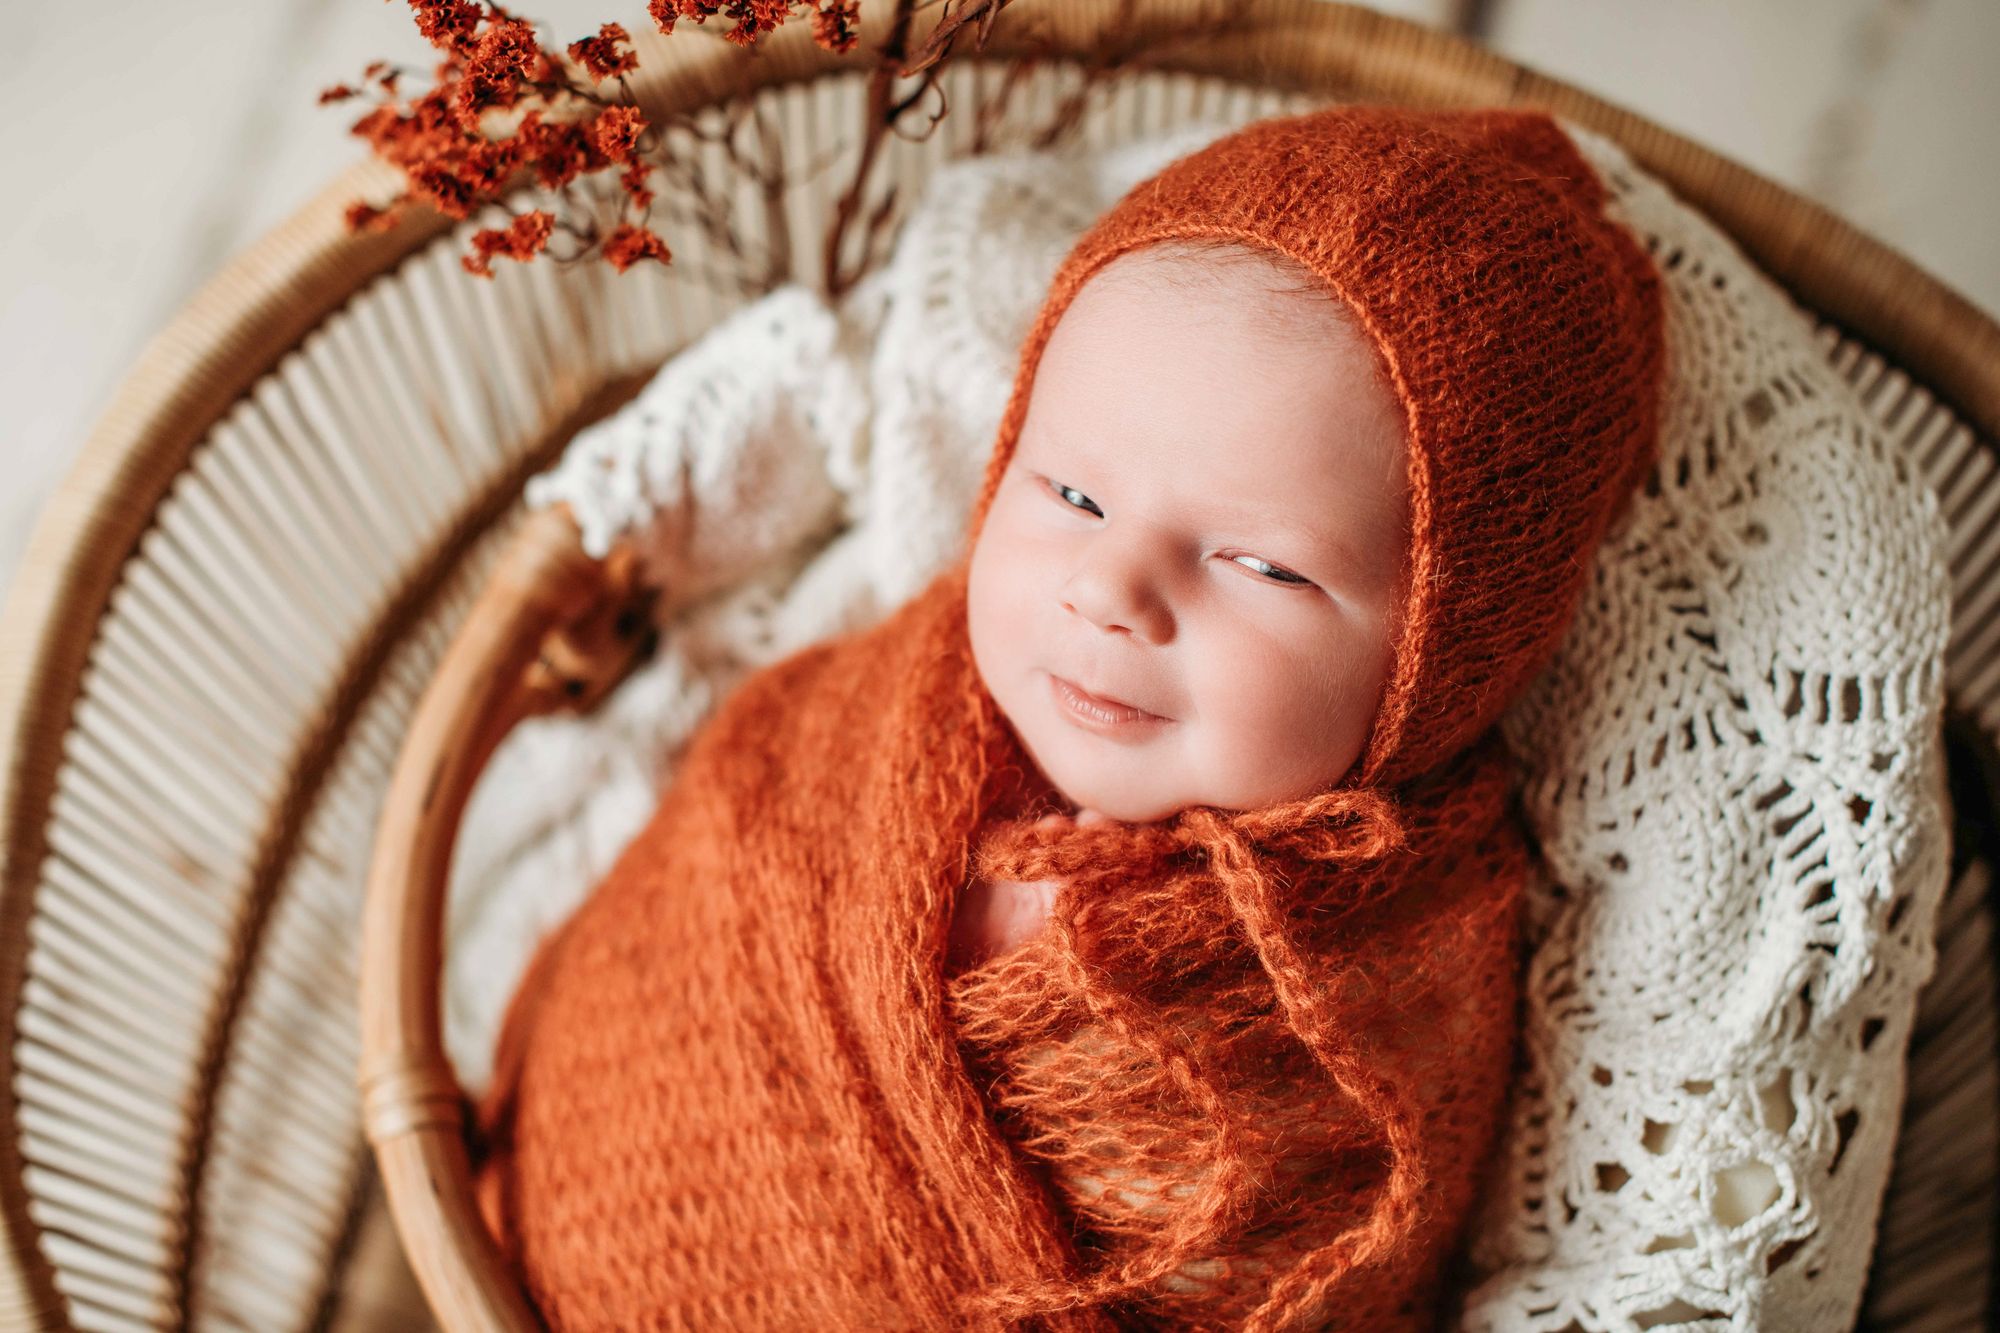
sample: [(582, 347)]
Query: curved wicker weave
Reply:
[(221, 629)]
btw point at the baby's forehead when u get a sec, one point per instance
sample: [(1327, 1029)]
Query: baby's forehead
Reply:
[(1231, 322), (1223, 387), (1286, 297)]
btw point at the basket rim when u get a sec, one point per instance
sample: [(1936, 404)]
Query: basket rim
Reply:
[(262, 304)]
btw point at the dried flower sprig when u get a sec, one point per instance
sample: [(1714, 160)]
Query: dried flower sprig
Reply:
[(836, 23), (502, 108), (526, 237), (457, 160), (495, 67), (601, 54)]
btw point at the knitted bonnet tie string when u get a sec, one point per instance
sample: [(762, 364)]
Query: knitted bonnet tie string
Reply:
[(1342, 826), (1376, 831), (1094, 857)]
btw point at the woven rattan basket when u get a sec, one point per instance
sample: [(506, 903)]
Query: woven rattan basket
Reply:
[(304, 508)]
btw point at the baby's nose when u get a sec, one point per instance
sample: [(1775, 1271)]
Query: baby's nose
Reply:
[(1118, 596)]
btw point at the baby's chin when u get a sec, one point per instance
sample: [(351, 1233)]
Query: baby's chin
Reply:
[(1128, 811), (1125, 810), (1133, 785), (1130, 785)]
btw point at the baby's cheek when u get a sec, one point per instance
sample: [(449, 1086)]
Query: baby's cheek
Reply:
[(1262, 689), (992, 598), (1285, 723)]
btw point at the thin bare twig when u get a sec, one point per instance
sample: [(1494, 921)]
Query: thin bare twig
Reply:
[(979, 14), (883, 110)]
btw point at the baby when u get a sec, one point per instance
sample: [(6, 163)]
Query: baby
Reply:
[(1210, 490), (1123, 930)]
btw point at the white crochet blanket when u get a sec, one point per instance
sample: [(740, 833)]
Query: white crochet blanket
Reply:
[(1735, 771)]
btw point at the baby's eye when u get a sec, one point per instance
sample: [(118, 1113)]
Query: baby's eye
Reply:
[(1277, 572), (1065, 492)]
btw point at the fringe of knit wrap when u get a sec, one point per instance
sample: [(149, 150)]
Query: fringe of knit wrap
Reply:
[(1248, 1076)]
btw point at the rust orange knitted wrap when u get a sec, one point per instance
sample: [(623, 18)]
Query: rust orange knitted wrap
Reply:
[(1248, 1076)]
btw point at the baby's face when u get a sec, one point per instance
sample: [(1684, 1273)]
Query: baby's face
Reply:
[(1206, 517)]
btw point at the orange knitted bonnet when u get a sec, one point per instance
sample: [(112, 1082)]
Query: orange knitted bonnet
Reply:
[(1521, 331), (1248, 1076)]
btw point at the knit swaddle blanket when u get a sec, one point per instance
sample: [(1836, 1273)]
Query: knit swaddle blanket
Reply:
[(1248, 1077)]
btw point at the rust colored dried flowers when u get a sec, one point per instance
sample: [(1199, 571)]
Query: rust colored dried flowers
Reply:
[(521, 240), (494, 65), (367, 217), (447, 24), (627, 245), (837, 26), (601, 56), (617, 132), (504, 110), (502, 106), (834, 21)]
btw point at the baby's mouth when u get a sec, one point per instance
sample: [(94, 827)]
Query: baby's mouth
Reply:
[(1097, 711)]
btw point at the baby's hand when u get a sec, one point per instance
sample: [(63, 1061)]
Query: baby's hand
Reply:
[(996, 916)]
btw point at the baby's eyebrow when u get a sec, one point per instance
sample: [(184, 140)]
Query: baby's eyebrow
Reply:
[(1312, 537)]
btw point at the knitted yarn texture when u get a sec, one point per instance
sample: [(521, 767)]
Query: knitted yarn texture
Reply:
[(1247, 1078)]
